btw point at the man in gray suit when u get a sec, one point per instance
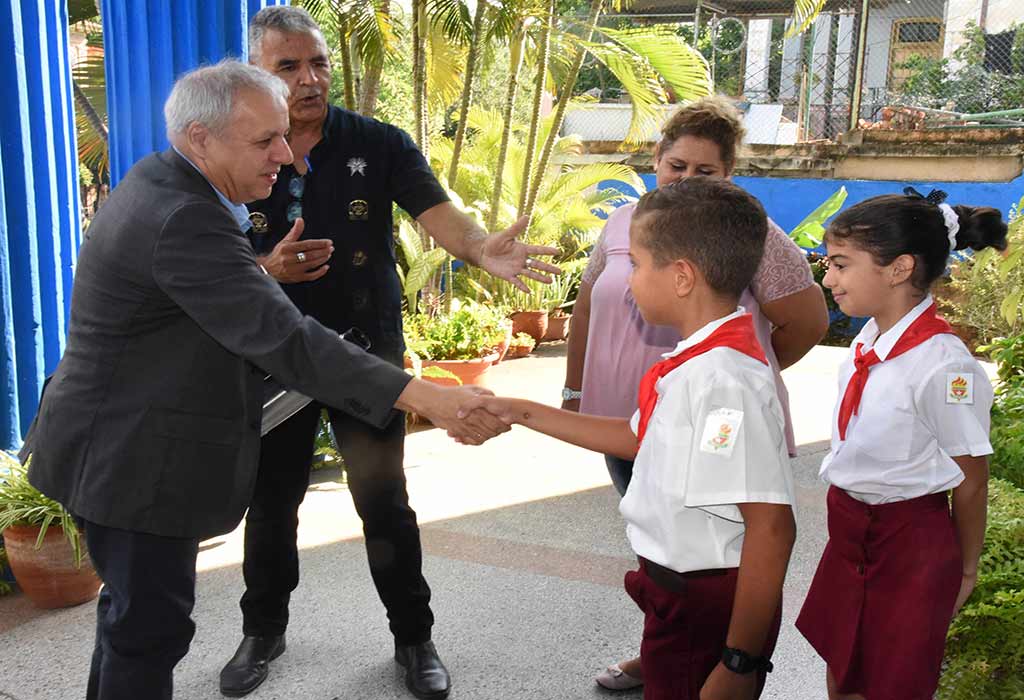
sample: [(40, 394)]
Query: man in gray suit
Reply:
[(149, 429)]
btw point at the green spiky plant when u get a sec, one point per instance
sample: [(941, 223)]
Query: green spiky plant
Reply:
[(22, 504)]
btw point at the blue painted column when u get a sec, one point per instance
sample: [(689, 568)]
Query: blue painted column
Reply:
[(148, 44), (39, 227)]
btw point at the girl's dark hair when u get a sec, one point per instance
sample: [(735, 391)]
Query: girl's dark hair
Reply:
[(892, 225)]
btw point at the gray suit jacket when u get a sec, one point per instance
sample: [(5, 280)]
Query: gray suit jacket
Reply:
[(151, 421)]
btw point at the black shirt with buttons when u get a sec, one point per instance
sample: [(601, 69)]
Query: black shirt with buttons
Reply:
[(358, 170)]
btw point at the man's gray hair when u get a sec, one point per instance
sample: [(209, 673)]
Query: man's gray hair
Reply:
[(283, 18), (207, 95)]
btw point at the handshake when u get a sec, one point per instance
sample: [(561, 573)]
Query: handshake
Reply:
[(471, 415)]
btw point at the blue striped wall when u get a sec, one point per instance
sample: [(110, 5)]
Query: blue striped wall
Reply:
[(39, 229), (148, 44)]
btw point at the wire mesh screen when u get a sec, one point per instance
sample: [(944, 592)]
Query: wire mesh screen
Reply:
[(917, 58), (957, 56)]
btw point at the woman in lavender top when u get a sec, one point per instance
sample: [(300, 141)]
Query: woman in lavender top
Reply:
[(610, 346)]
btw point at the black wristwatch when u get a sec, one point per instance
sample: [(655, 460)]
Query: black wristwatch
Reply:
[(739, 661)]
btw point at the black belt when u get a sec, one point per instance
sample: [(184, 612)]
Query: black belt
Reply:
[(675, 580)]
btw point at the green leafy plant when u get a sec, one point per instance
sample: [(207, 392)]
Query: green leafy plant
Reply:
[(810, 232), (22, 504), (469, 332), (1005, 434), (985, 645), (986, 289), (523, 340)]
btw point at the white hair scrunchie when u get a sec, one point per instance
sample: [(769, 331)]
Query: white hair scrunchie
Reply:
[(952, 224)]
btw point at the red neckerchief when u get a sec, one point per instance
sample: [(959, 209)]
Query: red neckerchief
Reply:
[(737, 334), (926, 325)]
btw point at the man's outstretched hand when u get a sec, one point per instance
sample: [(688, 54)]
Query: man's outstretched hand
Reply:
[(293, 260), (504, 255)]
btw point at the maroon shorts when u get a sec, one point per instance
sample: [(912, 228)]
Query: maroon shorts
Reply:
[(686, 620), (882, 599)]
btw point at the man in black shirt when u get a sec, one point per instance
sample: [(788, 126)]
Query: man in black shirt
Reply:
[(347, 172)]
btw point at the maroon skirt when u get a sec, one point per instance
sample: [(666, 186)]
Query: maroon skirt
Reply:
[(686, 621), (882, 598)]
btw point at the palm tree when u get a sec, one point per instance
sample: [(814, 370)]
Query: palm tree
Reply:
[(641, 59), (476, 39), (543, 48), (569, 207), (517, 46), (365, 30)]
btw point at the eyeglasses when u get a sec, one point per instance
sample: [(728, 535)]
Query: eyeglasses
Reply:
[(296, 187)]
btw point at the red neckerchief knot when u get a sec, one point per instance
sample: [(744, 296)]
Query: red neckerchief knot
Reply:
[(924, 327), (737, 333)]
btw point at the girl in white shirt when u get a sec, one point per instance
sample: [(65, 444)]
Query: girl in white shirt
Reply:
[(911, 425)]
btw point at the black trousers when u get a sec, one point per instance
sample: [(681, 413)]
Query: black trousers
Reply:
[(376, 479), (143, 618)]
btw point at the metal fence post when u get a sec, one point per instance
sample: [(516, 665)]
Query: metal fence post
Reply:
[(858, 79)]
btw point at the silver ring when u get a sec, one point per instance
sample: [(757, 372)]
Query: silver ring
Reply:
[(301, 257), (530, 262)]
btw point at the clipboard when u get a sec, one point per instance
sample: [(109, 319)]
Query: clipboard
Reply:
[(281, 403)]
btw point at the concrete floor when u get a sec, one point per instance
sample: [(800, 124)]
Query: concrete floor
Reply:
[(523, 548)]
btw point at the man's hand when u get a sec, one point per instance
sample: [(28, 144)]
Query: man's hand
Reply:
[(293, 260), (503, 255), (453, 409), (723, 684)]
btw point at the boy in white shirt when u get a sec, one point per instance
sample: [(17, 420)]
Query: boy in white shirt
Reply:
[(708, 510)]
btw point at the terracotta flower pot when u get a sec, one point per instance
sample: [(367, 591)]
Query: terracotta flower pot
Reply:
[(502, 348), (558, 327), (468, 371), (48, 575), (533, 323), (516, 351)]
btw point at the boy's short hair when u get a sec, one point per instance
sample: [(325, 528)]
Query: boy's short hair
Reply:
[(716, 225)]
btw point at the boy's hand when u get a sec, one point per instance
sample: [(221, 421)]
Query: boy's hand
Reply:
[(967, 584), (723, 684)]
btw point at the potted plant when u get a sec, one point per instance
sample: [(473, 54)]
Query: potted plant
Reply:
[(561, 295), (44, 547), (522, 345), (463, 343)]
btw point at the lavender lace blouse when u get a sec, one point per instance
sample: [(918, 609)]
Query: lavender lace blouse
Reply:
[(621, 346)]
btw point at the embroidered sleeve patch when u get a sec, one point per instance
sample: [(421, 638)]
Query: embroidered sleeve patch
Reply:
[(720, 431), (959, 387)]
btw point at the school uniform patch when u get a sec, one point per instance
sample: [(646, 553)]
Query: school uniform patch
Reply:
[(720, 430), (959, 387)]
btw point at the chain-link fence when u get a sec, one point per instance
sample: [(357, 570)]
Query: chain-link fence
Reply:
[(895, 63)]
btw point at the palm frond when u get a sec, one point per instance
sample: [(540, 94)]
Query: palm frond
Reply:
[(681, 66), (446, 63), (377, 36), (804, 14), (325, 12), (453, 18), (574, 183), (639, 79)]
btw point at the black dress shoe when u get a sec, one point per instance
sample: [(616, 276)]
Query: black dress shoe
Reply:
[(250, 665), (425, 675)]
